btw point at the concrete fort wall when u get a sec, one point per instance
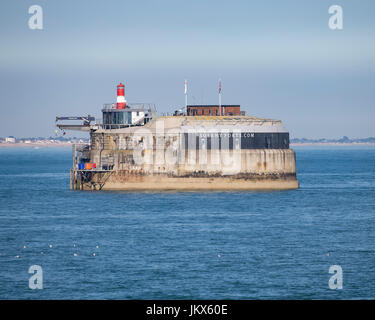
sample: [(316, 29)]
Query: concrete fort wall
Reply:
[(154, 162)]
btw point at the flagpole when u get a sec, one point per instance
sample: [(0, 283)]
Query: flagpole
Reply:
[(220, 97), (186, 99)]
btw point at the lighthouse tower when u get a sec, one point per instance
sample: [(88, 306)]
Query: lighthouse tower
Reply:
[(121, 102)]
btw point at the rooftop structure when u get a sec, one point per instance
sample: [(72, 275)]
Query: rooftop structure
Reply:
[(115, 115), (214, 110)]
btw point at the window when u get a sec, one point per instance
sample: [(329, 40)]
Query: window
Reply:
[(202, 111)]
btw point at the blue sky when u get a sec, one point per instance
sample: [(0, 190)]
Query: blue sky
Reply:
[(277, 59)]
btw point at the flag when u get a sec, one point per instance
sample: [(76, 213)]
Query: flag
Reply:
[(185, 86), (219, 86)]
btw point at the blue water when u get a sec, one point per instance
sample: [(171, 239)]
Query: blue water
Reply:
[(243, 245)]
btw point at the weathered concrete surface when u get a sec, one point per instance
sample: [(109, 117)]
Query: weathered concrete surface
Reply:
[(154, 183), (143, 159)]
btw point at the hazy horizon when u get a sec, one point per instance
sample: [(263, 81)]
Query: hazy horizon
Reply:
[(277, 60)]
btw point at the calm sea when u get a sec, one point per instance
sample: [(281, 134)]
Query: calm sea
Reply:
[(242, 245)]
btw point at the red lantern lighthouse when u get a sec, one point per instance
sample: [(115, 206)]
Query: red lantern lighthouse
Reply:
[(121, 102)]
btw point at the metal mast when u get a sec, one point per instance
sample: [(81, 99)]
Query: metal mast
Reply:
[(186, 100), (220, 97)]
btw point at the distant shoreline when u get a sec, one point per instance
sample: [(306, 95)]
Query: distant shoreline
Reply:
[(307, 144), (34, 145), (332, 144)]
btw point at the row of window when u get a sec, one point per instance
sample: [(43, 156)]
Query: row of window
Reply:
[(210, 112), (117, 117), (194, 112)]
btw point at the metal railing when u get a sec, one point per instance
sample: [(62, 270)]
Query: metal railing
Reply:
[(81, 154), (148, 109), (116, 126), (81, 147), (138, 106)]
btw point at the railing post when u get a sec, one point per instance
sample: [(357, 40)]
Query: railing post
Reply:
[(74, 156)]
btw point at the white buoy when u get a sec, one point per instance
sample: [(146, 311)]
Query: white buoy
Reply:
[(16, 257), (97, 247), (75, 254), (219, 255), (50, 245), (24, 247), (94, 254)]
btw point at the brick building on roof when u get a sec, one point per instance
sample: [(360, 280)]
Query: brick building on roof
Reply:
[(214, 110)]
